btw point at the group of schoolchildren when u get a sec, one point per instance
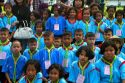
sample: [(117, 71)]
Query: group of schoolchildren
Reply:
[(75, 45)]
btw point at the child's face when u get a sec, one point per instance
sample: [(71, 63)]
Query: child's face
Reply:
[(49, 40), (78, 3), (98, 17), (82, 57), (33, 46), (54, 75), (86, 14), (16, 47), (111, 11), (90, 41), (56, 12), (119, 17), (32, 17), (78, 36), (107, 35), (57, 42), (30, 71), (8, 9), (39, 28), (66, 40), (19, 1), (109, 53), (72, 14), (4, 35), (94, 9), (45, 15)]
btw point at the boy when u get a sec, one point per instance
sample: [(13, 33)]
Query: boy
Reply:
[(79, 39), (108, 34), (48, 55), (57, 42), (118, 27), (32, 51), (5, 45), (67, 52), (90, 39)]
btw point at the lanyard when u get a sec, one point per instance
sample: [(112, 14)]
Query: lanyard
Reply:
[(99, 25), (31, 81), (67, 50), (79, 43), (8, 18), (56, 82), (111, 67), (82, 68), (39, 39), (120, 25), (2, 44), (15, 62), (49, 50), (31, 53), (87, 24)]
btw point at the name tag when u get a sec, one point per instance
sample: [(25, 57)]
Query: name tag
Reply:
[(65, 63), (118, 32), (107, 70), (80, 79), (56, 26), (8, 26), (3, 55), (47, 64), (97, 35)]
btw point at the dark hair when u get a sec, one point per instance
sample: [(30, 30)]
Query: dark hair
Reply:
[(46, 10), (119, 12), (35, 14), (32, 62), (57, 67), (38, 22), (31, 40), (95, 4), (94, 16), (15, 40), (57, 7), (4, 29), (86, 8), (72, 8), (106, 44), (108, 30), (82, 3), (88, 50), (7, 4), (89, 34), (48, 34), (114, 7), (79, 30), (67, 33)]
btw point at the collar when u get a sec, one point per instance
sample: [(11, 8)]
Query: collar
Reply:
[(67, 48), (9, 15), (80, 43), (72, 21), (100, 23), (38, 36), (4, 43), (52, 47)]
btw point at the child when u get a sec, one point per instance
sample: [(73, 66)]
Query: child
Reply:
[(86, 24), (118, 27), (39, 34), (79, 39), (9, 19), (57, 42), (67, 52), (110, 19), (34, 16), (48, 55), (108, 34), (72, 22), (99, 27), (5, 45), (14, 64), (110, 68), (32, 72), (83, 71), (56, 23), (32, 51), (1, 22), (56, 74), (90, 39)]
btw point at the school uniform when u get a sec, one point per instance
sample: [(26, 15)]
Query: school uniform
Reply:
[(77, 46), (38, 79), (104, 71), (67, 56), (110, 22), (30, 55), (71, 27), (14, 70), (56, 25), (8, 21), (119, 29), (40, 41), (122, 55), (76, 75), (32, 26), (46, 58), (61, 80), (123, 49), (1, 23)]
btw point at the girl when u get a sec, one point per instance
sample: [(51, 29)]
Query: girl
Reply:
[(32, 72), (56, 74), (78, 4), (83, 71), (39, 34), (14, 64), (56, 23), (72, 22), (34, 16), (9, 19), (110, 68)]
